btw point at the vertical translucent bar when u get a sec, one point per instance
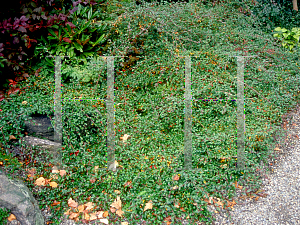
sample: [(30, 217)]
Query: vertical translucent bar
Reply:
[(240, 114), (188, 117), (110, 115), (57, 115)]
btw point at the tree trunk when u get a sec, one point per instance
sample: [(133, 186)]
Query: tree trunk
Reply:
[(295, 6)]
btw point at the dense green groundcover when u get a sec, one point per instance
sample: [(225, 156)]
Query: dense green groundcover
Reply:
[(149, 106)]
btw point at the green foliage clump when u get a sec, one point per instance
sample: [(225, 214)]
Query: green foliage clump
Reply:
[(290, 39), (276, 13), (3, 216), (85, 73)]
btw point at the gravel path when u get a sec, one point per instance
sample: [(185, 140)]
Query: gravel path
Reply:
[(282, 186)]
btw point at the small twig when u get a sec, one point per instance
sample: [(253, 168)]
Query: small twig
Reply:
[(257, 93)]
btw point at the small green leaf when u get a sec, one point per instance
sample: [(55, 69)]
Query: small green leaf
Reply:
[(95, 14), (44, 40), (78, 47), (99, 40), (33, 4), (55, 26), (52, 32), (51, 38), (89, 14), (296, 36), (69, 29), (141, 193), (63, 49), (59, 33), (285, 35), (78, 10), (277, 29), (49, 61)]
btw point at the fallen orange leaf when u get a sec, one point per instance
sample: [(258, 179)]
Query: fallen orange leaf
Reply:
[(93, 216), (176, 177), (119, 212), (68, 212), (80, 208), (117, 203), (125, 137), (55, 203), (86, 216), (11, 217), (148, 205), (40, 181), (99, 214), (62, 172), (89, 206), (73, 216), (53, 184), (12, 137), (72, 203), (104, 221), (105, 214)]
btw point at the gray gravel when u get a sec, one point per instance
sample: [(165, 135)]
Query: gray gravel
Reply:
[(282, 203)]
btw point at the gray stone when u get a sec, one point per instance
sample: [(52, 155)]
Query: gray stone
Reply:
[(15, 196), (40, 125), (47, 147)]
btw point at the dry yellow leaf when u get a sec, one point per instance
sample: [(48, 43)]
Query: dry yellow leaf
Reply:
[(176, 177), (125, 137), (72, 203), (93, 216), (148, 205), (73, 215), (119, 212), (96, 169), (86, 216), (12, 137), (55, 171), (104, 221), (89, 206), (40, 181), (117, 203), (11, 217), (68, 212), (80, 208), (105, 214), (124, 223), (220, 203), (53, 184), (277, 149), (62, 172), (99, 214)]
